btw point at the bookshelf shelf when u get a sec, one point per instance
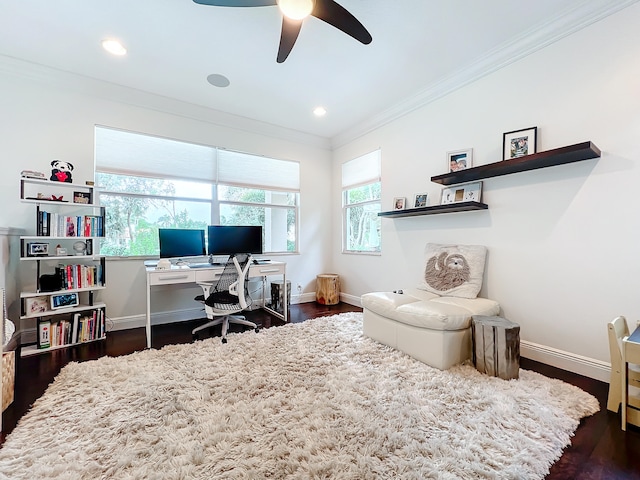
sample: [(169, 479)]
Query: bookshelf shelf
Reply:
[(34, 350), (62, 311)]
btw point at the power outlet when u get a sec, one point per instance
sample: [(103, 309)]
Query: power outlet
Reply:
[(299, 289)]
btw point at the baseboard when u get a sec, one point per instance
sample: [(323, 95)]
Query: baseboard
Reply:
[(161, 318), (571, 362), (351, 299), (303, 298)]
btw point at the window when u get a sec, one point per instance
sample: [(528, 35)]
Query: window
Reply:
[(361, 188), (150, 183)]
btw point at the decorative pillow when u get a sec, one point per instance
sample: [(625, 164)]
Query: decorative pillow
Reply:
[(453, 270)]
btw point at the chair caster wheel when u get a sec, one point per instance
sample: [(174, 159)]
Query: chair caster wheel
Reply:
[(224, 340)]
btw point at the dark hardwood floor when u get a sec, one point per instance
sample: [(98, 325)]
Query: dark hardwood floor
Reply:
[(599, 449)]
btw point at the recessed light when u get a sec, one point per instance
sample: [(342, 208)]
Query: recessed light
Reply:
[(319, 111), (218, 80), (114, 47)]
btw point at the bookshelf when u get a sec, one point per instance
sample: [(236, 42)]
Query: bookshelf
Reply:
[(68, 271)]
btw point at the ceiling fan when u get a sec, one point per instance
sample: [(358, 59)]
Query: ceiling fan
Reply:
[(295, 11)]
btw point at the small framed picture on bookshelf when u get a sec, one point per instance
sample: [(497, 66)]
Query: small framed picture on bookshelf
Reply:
[(420, 200), (64, 300), (33, 305), (519, 143), (44, 333), (82, 197), (399, 203), (460, 160), (37, 249)]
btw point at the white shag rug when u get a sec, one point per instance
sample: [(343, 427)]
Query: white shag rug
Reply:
[(308, 400)]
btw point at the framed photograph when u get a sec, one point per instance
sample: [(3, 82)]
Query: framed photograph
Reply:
[(64, 300), (37, 249), (33, 305), (459, 160), (82, 197), (519, 143), (399, 203), (420, 200), (470, 192)]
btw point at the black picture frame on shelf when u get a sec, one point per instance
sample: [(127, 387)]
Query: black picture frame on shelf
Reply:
[(519, 143), (82, 197)]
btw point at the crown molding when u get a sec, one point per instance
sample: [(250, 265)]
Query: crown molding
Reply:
[(567, 22), (68, 81)]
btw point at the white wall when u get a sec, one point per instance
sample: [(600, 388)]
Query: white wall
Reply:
[(47, 115), (563, 255)]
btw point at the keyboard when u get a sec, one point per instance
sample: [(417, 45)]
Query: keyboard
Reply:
[(200, 265)]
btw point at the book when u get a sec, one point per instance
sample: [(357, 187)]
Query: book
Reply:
[(44, 333), (74, 328)]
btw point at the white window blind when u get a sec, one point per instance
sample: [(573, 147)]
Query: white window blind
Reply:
[(361, 170), (246, 170), (121, 152), (129, 153)]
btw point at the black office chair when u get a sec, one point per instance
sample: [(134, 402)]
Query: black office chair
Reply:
[(227, 296)]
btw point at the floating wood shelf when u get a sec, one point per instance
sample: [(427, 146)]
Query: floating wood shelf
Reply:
[(435, 209), (550, 158)]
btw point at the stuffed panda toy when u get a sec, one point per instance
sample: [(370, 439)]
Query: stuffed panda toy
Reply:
[(61, 171)]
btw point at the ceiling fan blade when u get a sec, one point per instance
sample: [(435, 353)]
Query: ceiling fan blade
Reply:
[(237, 3), (336, 15), (290, 31)]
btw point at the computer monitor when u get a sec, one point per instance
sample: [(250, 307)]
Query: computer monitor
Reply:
[(231, 239), (181, 242)]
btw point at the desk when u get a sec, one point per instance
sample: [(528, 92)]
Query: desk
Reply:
[(630, 354), (178, 275)]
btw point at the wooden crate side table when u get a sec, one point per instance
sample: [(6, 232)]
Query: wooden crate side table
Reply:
[(496, 346)]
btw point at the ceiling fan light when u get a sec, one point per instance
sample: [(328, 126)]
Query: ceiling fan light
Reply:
[(114, 47), (296, 9)]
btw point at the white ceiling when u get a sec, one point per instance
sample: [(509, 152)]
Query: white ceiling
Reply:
[(421, 49)]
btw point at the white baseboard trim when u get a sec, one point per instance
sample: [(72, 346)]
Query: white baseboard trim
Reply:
[(351, 299), (571, 362), (161, 318), (303, 298)]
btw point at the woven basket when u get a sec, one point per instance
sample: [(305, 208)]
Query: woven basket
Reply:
[(8, 378)]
